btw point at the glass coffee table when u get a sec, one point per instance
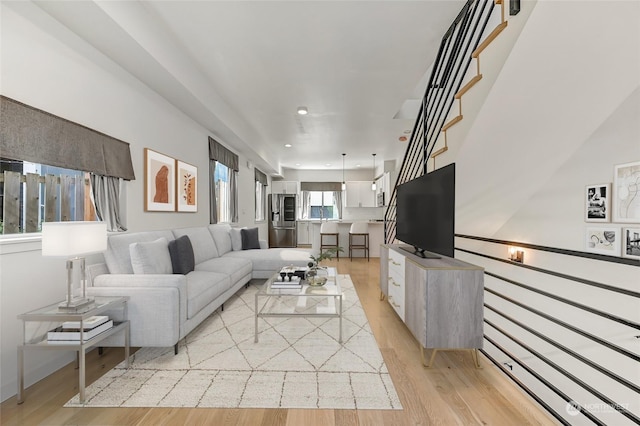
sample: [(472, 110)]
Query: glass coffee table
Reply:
[(306, 301)]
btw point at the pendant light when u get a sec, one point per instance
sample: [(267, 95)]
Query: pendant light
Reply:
[(344, 184), (373, 182)]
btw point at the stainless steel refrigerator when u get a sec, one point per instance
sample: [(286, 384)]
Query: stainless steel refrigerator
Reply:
[(282, 220)]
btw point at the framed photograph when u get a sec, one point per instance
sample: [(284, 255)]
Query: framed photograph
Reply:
[(187, 194), (159, 182), (631, 243), (603, 240), (626, 193), (597, 203)]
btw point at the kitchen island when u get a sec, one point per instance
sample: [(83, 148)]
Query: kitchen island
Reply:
[(376, 237)]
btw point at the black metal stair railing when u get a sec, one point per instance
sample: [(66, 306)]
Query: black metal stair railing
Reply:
[(447, 75)]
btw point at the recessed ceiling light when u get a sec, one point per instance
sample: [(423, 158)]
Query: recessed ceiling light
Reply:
[(328, 164), (298, 164), (303, 110), (407, 132), (357, 165), (402, 138), (287, 145)]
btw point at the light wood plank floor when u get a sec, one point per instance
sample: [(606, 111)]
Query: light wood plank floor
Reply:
[(452, 392)]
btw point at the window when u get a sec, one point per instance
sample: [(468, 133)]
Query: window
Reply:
[(223, 182), (261, 195), (223, 187), (261, 201), (323, 205), (66, 197)]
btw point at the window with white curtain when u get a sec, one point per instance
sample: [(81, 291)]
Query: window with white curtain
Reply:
[(261, 201), (222, 182)]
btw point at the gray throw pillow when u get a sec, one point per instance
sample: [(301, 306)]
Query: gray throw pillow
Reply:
[(150, 257), (250, 239), (182, 258)]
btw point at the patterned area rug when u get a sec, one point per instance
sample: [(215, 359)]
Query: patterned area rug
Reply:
[(298, 363)]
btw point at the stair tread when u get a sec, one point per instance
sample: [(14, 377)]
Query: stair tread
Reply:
[(468, 86), (487, 41), (451, 123)]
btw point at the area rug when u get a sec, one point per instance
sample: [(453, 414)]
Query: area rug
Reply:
[(297, 363)]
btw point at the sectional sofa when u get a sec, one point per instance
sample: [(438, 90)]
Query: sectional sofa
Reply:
[(177, 278)]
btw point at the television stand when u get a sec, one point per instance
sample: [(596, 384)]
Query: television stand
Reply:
[(421, 252)]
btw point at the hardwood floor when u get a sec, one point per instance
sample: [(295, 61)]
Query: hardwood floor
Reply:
[(452, 392)]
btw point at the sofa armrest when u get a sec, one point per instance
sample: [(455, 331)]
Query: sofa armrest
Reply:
[(263, 244), (157, 305), (153, 313)]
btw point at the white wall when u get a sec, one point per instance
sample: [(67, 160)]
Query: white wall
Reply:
[(562, 113), (48, 67)]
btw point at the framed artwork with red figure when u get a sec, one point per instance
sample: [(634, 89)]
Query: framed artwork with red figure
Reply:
[(159, 182)]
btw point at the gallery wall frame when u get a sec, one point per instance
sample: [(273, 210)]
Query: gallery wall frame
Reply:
[(186, 187), (626, 193), (631, 242), (603, 240), (159, 182), (597, 203)]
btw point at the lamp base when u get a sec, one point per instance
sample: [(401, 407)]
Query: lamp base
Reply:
[(76, 305)]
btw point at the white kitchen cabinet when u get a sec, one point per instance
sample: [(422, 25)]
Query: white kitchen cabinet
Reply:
[(285, 187), (359, 194), (304, 233)]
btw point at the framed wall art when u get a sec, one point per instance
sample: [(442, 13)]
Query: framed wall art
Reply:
[(598, 203), (603, 240), (631, 243), (626, 193), (187, 194), (159, 182)]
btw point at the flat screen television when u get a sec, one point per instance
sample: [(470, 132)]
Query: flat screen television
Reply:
[(426, 213)]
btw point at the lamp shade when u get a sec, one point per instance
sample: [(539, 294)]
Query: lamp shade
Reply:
[(68, 239)]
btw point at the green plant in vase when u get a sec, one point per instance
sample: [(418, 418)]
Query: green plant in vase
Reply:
[(317, 275)]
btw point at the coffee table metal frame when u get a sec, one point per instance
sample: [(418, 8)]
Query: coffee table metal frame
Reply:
[(331, 289)]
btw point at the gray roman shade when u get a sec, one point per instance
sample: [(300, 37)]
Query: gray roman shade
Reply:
[(33, 135), (320, 186), (260, 177), (219, 153)]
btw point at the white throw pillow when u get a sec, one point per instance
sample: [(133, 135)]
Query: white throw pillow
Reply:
[(236, 238), (151, 257)]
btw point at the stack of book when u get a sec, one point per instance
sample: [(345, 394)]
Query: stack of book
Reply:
[(288, 281), (69, 332)]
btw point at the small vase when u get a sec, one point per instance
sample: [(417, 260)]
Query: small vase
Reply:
[(317, 276)]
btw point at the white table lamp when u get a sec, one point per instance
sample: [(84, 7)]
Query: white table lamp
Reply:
[(73, 240)]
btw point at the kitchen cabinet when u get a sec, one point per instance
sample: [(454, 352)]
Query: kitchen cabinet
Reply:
[(304, 233), (383, 186), (285, 187), (359, 194)]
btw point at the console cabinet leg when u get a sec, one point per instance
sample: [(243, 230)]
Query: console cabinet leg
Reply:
[(381, 295), (431, 358)]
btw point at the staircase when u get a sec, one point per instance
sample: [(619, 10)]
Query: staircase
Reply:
[(477, 25)]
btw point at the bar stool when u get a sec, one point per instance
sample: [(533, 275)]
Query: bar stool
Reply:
[(329, 230), (359, 230)]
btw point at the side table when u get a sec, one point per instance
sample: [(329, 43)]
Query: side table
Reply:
[(52, 314)]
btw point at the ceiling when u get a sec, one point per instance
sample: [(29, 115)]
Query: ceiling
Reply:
[(241, 69)]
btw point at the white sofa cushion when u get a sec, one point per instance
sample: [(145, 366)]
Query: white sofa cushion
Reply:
[(237, 269), (202, 288), (202, 242), (151, 257), (236, 238), (118, 257), (273, 259), (221, 234)]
